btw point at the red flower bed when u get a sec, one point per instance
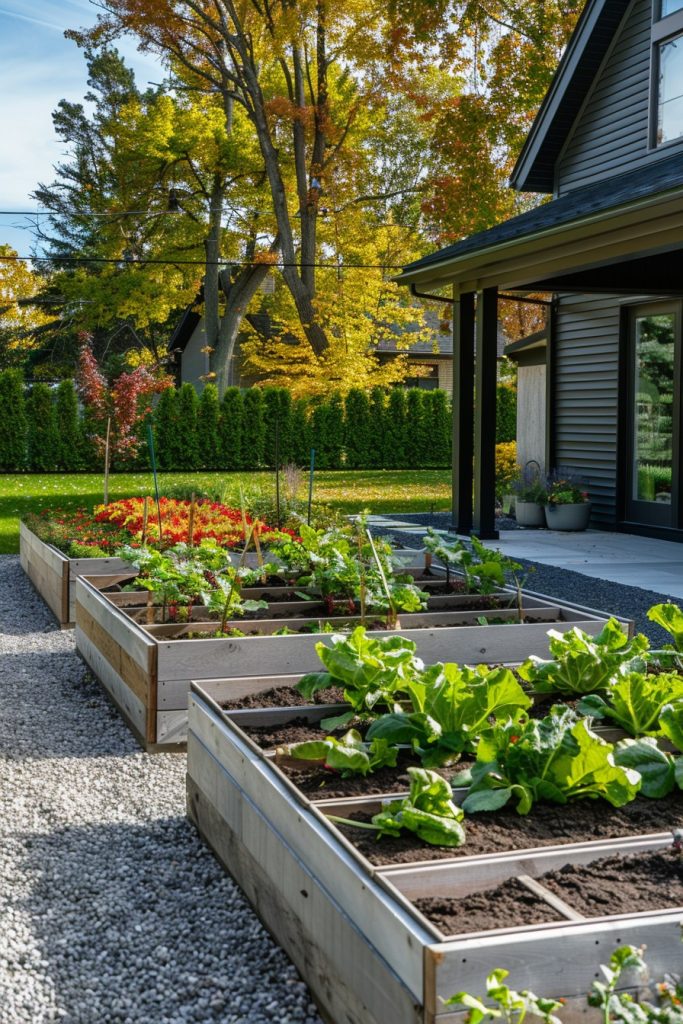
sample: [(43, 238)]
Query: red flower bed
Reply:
[(212, 521)]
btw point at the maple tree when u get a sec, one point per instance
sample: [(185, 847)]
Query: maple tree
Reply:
[(20, 317)]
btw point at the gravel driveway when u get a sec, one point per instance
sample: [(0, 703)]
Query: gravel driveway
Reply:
[(111, 909)]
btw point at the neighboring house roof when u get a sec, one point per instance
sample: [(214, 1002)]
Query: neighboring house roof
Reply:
[(533, 342), (185, 328), (660, 177), (588, 46)]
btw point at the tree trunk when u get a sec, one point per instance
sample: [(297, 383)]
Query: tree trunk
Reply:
[(238, 295)]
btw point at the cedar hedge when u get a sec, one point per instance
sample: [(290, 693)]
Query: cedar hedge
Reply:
[(44, 429)]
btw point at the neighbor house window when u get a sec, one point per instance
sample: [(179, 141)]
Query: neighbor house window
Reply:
[(667, 60)]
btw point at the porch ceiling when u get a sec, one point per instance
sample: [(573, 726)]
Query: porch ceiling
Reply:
[(627, 248)]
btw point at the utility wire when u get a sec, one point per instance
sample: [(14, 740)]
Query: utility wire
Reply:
[(196, 263)]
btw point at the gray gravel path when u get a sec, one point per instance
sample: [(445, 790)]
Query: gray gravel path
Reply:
[(112, 911)]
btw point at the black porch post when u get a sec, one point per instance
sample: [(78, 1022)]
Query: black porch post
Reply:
[(486, 358), (463, 410)]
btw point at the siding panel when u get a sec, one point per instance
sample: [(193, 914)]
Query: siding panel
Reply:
[(586, 372), (611, 132)]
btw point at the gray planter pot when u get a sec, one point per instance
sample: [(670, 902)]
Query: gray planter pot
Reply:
[(568, 517), (529, 513)]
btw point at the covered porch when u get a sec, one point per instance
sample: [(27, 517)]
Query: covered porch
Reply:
[(619, 238)]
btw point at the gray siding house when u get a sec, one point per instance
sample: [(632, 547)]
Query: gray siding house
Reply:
[(607, 146)]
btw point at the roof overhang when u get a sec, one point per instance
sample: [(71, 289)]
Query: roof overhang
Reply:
[(539, 260)]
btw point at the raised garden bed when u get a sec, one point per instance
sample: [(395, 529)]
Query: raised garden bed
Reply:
[(153, 697), (54, 575), (375, 941)]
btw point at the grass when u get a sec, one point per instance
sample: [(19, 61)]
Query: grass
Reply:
[(379, 490)]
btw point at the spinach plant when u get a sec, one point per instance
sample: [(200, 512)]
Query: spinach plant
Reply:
[(661, 771), (635, 702), (582, 663), (557, 759), (348, 755), (428, 811), (451, 707)]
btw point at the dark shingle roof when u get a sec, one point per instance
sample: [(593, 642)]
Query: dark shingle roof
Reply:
[(660, 176), (590, 41)]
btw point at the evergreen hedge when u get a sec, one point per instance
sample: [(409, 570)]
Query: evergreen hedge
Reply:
[(45, 430)]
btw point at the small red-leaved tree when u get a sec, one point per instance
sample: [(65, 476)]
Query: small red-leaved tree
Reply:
[(117, 409)]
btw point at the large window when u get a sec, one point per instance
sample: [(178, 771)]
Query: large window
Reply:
[(667, 75)]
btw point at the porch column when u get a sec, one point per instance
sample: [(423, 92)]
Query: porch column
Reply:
[(463, 410), (486, 362)]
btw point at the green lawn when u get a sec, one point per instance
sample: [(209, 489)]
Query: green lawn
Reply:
[(378, 490)]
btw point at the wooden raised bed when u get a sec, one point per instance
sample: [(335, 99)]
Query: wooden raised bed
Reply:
[(152, 692), (54, 575), (353, 930)]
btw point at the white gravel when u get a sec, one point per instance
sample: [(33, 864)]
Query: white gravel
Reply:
[(112, 911)]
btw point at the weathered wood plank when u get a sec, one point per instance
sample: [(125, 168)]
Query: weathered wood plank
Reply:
[(47, 568), (173, 693), (128, 703), (347, 976), (127, 634), (129, 670), (386, 925)]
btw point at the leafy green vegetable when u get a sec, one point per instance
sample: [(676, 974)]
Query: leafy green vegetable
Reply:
[(452, 705), (556, 759), (621, 1007), (660, 770), (582, 663), (428, 810), (510, 1005), (670, 617), (483, 568), (371, 670), (635, 702), (348, 755)]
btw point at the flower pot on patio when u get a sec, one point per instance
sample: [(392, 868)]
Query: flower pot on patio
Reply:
[(529, 513), (568, 517)]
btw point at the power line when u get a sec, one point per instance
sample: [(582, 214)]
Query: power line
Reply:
[(198, 263)]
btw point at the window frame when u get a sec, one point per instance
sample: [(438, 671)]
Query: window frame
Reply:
[(663, 30)]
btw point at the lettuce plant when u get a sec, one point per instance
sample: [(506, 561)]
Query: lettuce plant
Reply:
[(557, 759), (428, 811), (348, 755), (660, 770), (670, 617), (451, 707), (582, 663), (635, 702)]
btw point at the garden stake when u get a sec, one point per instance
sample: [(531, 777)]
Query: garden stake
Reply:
[(361, 564), (277, 470), (190, 527), (150, 445), (310, 486), (145, 515), (106, 462)]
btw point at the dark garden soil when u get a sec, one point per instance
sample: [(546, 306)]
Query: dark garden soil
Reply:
[(508, 906), (284, 697), (546, 825), (619, 884), (638, 882)]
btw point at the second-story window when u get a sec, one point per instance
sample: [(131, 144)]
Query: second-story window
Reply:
[(670, 90), (667, 71)]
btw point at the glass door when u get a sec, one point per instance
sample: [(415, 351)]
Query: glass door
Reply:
[(653, 478)]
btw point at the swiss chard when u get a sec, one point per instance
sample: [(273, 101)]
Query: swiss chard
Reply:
[(428, 811), (451, 707), (583, 664), (556, 759)]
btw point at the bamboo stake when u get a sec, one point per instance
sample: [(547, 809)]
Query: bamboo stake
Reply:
[(106, 461), (190, 530), (145, 517)]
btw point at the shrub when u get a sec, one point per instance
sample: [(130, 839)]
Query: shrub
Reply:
[(232, 414), (507, 469), (438, 420), (208, 418), (13, 422), (506, 412), (378, 402), (166, 431), (68, 427), (327, 432), (277, 413), (394, 448), (417, 446), (301, 433), (188, 453), (253, 430), (358, 440), (43, 440)]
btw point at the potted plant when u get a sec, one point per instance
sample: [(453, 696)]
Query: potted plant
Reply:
[(567, 507), (531, 496)]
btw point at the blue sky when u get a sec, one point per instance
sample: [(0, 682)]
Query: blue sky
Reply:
[(38, 67)]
